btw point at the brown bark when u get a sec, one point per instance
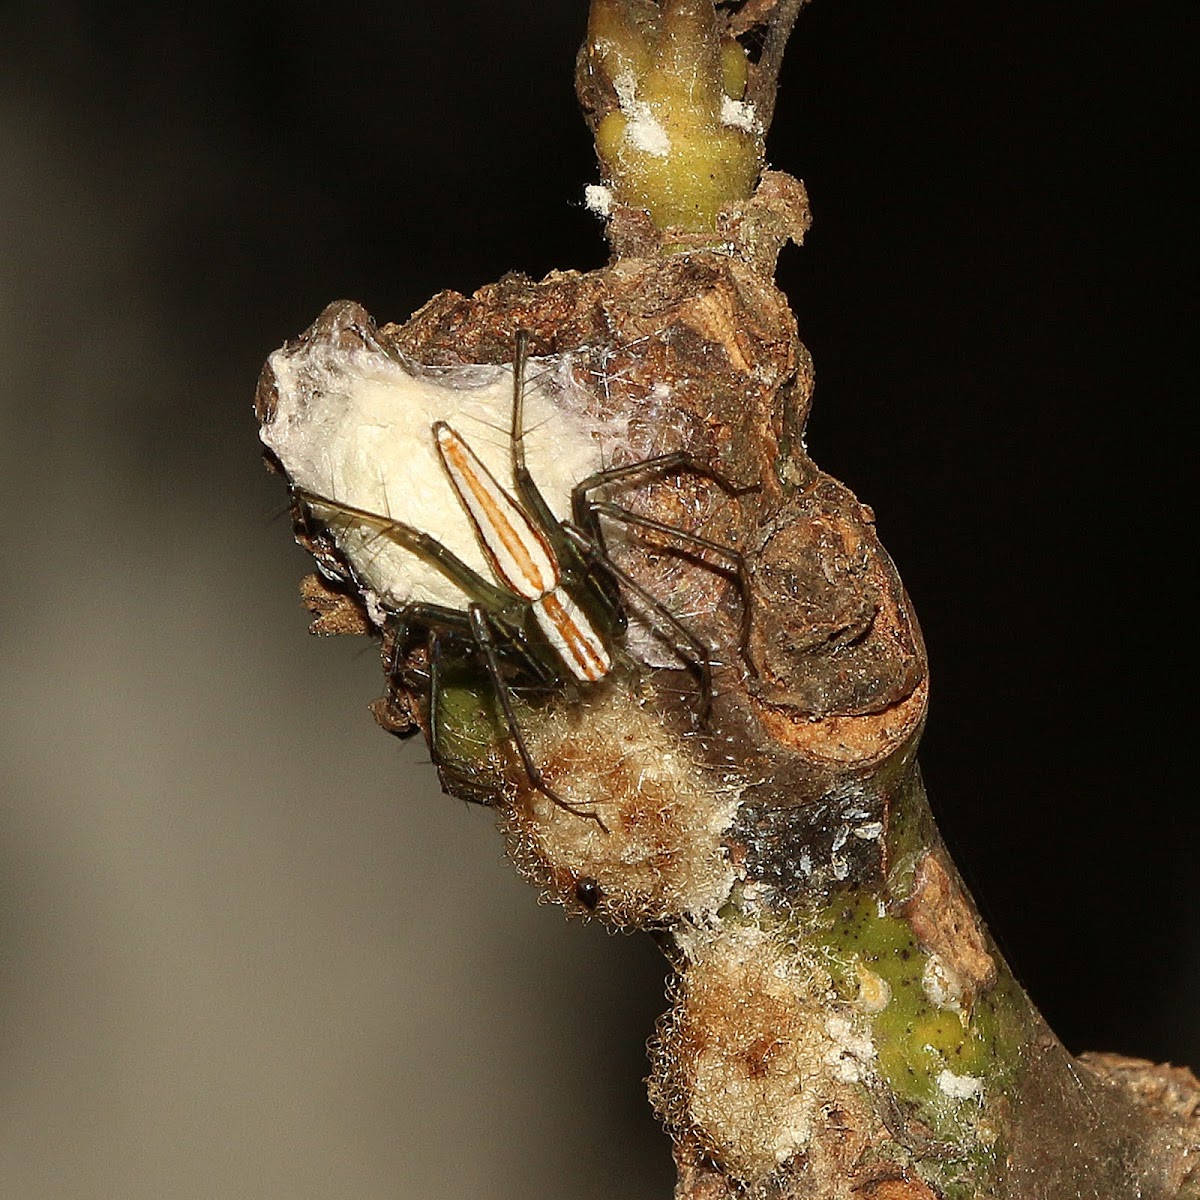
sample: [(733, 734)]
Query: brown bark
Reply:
[(842, 1023)]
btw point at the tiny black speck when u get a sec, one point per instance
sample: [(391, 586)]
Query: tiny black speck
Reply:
[(588, 892)]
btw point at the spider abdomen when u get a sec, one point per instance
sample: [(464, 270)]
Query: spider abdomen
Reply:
[(574, 638)]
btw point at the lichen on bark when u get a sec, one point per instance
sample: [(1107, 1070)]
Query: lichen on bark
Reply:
[(842, 1024)]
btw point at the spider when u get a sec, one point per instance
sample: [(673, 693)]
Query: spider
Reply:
[(553, 618)]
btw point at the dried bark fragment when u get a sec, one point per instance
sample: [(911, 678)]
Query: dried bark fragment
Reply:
[(946, 923), (841, 1025), (898, 1189), (333, 610), (837, 638), (1174, 1091), (1171, 1098)]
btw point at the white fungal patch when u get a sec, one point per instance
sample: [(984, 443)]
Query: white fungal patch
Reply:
[(625, 85), (942, 985), (739, 114), (850, 1058), (959, 1087), (839, 864), (598, 199), (870, 831), (646, 133), (643, 130), (356, 426)]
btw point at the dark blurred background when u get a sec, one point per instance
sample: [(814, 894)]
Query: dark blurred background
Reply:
[(246, 948)]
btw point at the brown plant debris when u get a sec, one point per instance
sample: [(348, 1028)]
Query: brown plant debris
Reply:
[(946, 924), (788, 1067)]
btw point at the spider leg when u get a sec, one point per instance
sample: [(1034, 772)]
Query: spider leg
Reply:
[(677, 460), (439, 620), (423, 545), (700, 662), (441, 625), (481, 628), (372, 343), (436, 622), (603, 599), (398, 638), (527, 490), (735, 557), (404, 622), (606, 597)]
